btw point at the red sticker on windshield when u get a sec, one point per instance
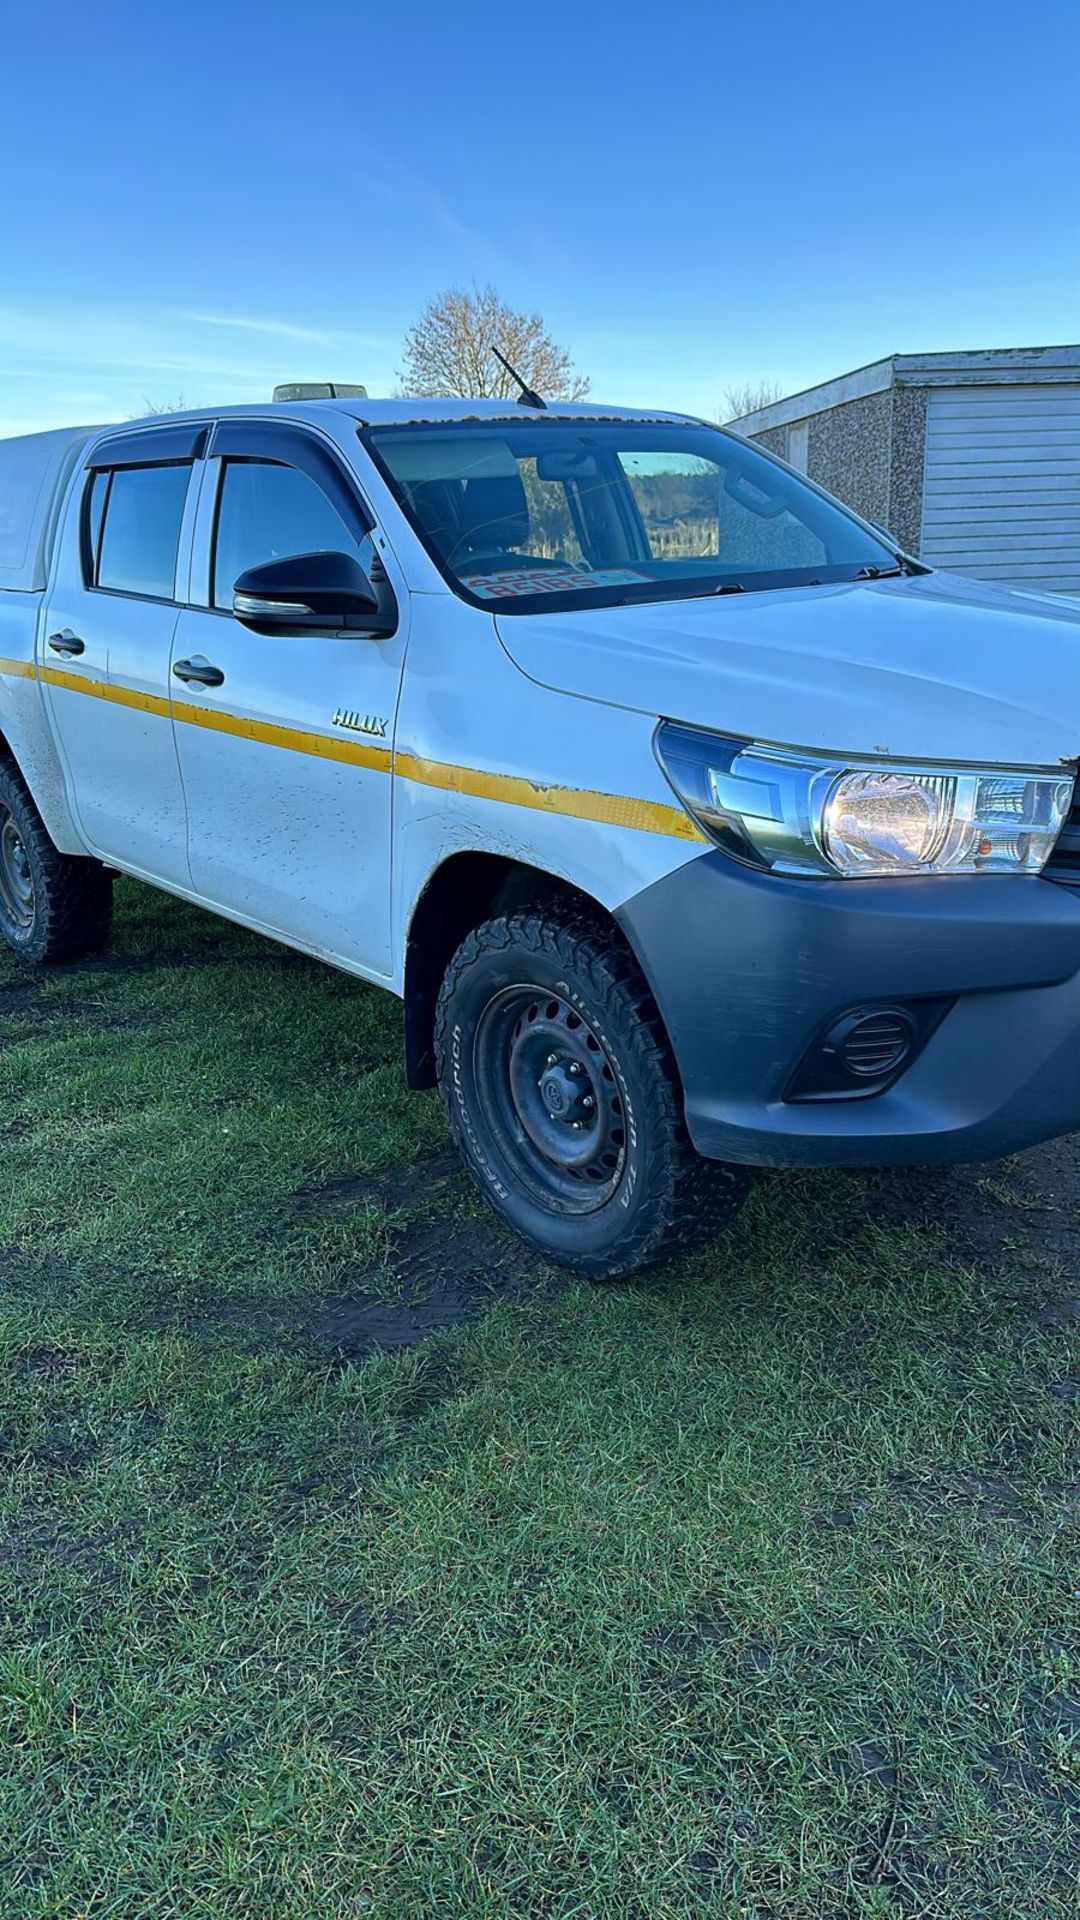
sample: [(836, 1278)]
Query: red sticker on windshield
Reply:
[(518, 582)]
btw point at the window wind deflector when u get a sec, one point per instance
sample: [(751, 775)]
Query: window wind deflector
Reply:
[(152, 447)]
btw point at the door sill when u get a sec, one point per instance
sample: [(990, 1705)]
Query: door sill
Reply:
[(341, 962)]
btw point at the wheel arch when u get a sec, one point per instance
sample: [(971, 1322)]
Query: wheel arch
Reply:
[(464, 890), (26, 746)]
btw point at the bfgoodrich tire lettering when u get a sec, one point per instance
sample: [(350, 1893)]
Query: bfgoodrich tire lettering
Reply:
[(52, 907), (564, 1100)]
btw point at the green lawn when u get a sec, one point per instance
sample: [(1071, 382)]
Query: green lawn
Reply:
[(750, 1590)]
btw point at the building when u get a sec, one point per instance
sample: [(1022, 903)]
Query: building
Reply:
[(971, 460)]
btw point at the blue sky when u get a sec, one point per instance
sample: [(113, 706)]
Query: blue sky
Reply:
[(207, 199)]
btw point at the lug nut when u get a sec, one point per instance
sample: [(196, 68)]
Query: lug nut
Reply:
[(553, 1059), (575, 1066), (588, 1103)]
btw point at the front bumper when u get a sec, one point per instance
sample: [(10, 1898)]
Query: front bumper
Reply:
[(748, 969)]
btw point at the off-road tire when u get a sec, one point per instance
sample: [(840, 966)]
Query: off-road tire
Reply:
[(666, 1196), (69, 913)]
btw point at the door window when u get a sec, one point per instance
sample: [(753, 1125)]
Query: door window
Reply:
[(139, 538), (267, 511)]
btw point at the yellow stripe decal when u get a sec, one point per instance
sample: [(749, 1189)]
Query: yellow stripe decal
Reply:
[(116, 696), (608, 809), (611, 809), (321, 746)]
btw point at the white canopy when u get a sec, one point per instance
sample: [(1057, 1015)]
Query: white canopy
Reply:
[(34, 469)]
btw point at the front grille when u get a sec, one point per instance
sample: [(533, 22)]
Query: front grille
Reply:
[(1064, 863)]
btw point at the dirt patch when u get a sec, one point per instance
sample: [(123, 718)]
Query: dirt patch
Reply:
[(361, 1324), (991, 1498), (388, 1191), (39, 1542), (685, 1641), (195, 956), (1023, 1212), (1017, 1222), (1060, 1314), (447, 1275), (54, 1362), (20, 998), (32, 1009)]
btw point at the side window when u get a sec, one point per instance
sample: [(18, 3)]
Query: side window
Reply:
[(134, 528), (271, 512)]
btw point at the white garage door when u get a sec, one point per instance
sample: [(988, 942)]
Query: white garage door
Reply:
[(1001, 497)]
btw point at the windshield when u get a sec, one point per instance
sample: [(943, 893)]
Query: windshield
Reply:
[(561, 513)]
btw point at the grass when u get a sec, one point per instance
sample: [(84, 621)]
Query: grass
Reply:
[(747, 1590)]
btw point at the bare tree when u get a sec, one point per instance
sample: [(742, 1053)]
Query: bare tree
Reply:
[(749, 397), (448, 351), (151, 408)]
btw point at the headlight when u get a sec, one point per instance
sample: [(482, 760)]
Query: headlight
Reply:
[(798, 813)]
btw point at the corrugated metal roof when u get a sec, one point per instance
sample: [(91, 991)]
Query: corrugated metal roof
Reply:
[(989, 366)]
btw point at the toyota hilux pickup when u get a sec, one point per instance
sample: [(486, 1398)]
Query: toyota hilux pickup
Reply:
[(696, 825)]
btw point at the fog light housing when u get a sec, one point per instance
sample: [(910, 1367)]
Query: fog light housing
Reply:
[(864, 1050), (872, 1045)]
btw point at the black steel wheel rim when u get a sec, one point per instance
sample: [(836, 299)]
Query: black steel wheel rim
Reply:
[(16, 874), (551, 1099)]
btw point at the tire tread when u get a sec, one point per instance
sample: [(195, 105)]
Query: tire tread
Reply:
[(73, 896), (690, 1198)]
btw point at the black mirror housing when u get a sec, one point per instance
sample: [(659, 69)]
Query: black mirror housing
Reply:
[(313, 593)]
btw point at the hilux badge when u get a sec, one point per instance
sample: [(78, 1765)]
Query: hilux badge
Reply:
[(360, 722)]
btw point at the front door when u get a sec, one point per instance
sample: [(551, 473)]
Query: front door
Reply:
[(285, 742)]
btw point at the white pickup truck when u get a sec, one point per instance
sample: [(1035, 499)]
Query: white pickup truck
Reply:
[(696, 826)]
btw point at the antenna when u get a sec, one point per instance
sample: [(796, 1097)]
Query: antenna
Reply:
[(527, 397)]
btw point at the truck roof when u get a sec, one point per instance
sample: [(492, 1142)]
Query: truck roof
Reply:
[(410, 411)]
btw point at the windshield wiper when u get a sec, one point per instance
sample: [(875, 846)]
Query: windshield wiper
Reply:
[(879, 573), (710, 593)]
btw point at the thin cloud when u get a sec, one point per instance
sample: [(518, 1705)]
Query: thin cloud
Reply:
[(52, 359), (413, 193), (286, 330)]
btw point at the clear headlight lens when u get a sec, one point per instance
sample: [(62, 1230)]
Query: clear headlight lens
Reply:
[(797, 813)]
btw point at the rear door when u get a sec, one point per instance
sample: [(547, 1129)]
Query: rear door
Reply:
[(106, 643), (285, 741)]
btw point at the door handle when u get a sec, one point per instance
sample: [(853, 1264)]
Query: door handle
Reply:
[(200, 671), (66, 642)]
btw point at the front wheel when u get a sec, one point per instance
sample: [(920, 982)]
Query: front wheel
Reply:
[(564, 1099)]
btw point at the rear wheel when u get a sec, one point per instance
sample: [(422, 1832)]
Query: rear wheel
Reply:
[(564, 1100), (52, 907)]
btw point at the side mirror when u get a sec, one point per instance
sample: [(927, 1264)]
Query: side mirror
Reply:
[(312, 593)]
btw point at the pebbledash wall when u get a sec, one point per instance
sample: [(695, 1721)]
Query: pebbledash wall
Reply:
[(971, 460)]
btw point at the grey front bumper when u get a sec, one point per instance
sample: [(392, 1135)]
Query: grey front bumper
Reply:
[(748, 969)]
